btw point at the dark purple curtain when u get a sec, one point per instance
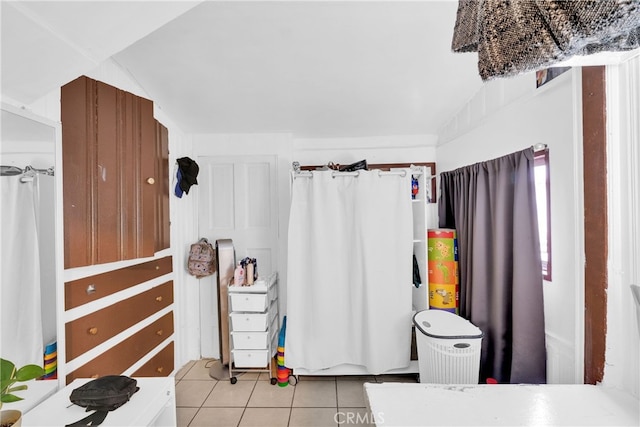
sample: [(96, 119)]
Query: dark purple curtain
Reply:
[(492, 205)]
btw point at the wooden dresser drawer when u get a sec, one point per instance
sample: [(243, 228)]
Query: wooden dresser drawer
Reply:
[(121, 356), (160, 365), (87, 289), (86, 332)]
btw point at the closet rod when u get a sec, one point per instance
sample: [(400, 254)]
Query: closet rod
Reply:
[(14, 170)]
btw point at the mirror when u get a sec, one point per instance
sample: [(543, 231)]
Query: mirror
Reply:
[(28, 223)]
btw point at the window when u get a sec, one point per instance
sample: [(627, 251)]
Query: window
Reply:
[(541, 171)]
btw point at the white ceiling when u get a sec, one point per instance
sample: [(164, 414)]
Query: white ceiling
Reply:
[(314, 69)]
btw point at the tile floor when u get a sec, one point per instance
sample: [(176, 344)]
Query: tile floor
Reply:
[(253, 401)]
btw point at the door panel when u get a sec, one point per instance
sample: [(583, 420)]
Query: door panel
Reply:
[(238, 201)]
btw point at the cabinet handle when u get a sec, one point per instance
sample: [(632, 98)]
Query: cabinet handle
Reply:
[(160, 369), (159, 332), (93, 331), (159, 299), (151, 181), (91, 289)]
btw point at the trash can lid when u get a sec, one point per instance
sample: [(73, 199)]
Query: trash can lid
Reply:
[(443, 324)]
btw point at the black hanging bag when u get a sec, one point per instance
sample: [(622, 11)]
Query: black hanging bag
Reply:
[(102, 395)]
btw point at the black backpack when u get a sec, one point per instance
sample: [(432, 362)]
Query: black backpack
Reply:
[(102, 395)]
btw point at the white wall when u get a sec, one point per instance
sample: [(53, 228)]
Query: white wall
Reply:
[(622, 367), (510, 115)]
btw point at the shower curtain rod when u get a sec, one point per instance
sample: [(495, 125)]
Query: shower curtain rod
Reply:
[(535, 147), (14, 170), (309, 174)]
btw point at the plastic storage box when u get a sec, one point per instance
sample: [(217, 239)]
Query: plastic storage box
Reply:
[(448, 348)]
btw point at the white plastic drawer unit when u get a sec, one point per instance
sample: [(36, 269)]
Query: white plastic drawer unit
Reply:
[(256, 303), (250, 358), (249, 340), (249, 322)]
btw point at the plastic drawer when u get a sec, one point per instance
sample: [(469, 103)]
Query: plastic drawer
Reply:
[(256, 303), (250, 358), (249, 322), (249, 340)]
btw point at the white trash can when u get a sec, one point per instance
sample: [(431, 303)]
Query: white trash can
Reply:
[(448, 348)]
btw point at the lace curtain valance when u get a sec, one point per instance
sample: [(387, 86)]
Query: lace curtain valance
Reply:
[(514, 37)]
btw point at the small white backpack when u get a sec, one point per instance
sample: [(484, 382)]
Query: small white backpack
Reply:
[(202, 259)]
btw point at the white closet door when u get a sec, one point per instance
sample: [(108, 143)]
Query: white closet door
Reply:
[(238, 201)]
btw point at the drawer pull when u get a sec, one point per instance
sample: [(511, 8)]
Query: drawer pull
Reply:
[(159, 332), (95, 376), (157, 267), (160, 369), (151, 181), (91, 289), (159, 299), (93, 331)]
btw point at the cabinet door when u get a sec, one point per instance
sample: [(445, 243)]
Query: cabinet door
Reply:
[(162, 195), (78, 150), (110, 174)]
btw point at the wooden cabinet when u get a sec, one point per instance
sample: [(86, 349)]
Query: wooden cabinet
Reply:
[(95, 328), (126, 327), (115, 174), (115, 208)]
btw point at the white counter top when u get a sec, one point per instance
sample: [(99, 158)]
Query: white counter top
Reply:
[(36, 392), (397, 404), (154, 404)]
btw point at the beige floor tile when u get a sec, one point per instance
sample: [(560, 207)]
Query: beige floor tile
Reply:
[(315, 394), (358, 417), (230, 395), (265, 417), (217, 417), (185, 415), (264, 376), (192, 393), (351, 394), (199, 371), (313, 417), (247, 376), (182, 371), (266, 395)]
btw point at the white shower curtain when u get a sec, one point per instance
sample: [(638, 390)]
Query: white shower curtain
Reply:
[(21, 319), (349, 272)]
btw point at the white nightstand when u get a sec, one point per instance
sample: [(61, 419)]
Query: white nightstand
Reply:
[(153, 405)]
